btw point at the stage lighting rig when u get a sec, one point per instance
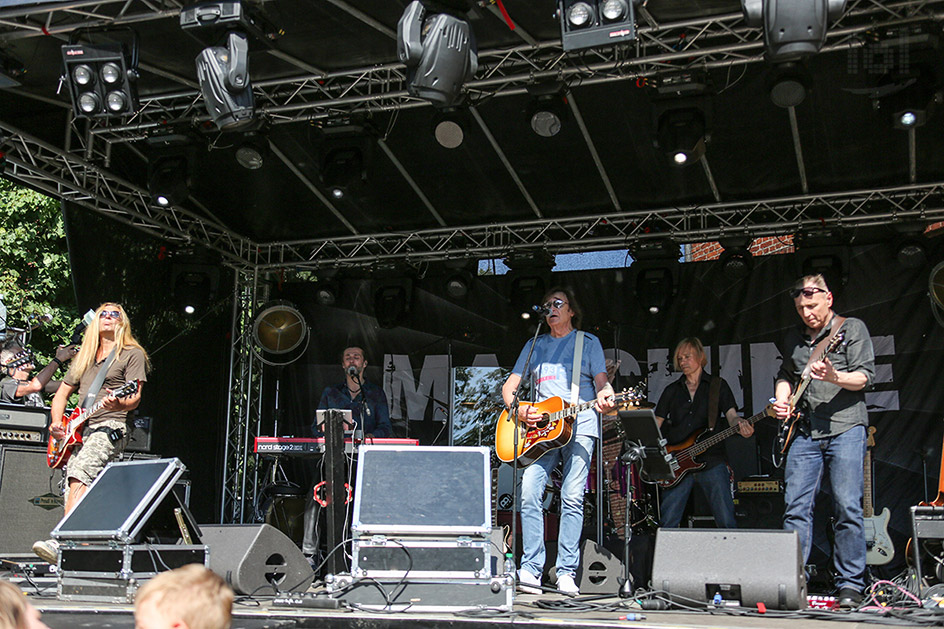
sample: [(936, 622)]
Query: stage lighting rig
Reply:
[(793, 29), (439, 52), (223, 71), (589, 23), (101, 79)]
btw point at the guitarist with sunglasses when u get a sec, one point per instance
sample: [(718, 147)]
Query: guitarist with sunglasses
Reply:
[(829, 439), (108, 341), (552, 365)]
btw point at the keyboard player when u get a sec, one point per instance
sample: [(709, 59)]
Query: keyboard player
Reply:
[(371, 416)]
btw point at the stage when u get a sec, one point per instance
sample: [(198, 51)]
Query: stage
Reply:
[(545, 610)]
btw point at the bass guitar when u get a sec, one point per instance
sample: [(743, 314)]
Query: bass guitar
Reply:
[(686, 451), (786, 430), (58, 451), (879, 549), (553, 430)]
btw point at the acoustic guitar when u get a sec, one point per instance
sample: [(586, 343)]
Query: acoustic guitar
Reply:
[(878, 544), (553, 430)]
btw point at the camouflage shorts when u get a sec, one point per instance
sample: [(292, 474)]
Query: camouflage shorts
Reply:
[(96, 452)]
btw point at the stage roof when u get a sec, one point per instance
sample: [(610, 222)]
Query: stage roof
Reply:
[(835, 160)]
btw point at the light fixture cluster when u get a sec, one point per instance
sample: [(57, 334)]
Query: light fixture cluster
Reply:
[(101, 80), (589, 23)]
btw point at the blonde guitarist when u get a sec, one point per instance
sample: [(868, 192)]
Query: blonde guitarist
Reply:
[(109, 349), (553, 374)]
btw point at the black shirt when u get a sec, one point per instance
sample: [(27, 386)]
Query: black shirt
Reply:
[(684, 414)]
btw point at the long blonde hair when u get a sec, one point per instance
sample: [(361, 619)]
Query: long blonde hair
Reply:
[(123, 338)]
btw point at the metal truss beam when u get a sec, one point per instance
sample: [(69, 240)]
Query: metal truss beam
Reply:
[(705, 43), (66, 176), (697, 223)]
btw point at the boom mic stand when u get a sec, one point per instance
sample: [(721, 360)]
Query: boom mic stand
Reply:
[(513, 416)]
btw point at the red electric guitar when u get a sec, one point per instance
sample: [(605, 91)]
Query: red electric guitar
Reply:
[(58, 451)]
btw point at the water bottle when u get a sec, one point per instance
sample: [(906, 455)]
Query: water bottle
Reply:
[(509, 564)]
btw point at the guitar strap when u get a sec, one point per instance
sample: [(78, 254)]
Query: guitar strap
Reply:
[(99, 380), (714, 393), (575, 372)]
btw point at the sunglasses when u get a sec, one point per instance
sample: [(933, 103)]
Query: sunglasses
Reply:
[(555, 303), (807, 291), (109, 314)]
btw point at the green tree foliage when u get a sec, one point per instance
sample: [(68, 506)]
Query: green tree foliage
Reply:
[(35, 274)]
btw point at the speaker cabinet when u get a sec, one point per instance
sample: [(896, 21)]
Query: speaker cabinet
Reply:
[(30, 499), (745, 567), (599, 571), (256, 558)]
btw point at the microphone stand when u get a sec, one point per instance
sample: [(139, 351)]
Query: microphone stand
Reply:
[(365, 410), (513, 416)]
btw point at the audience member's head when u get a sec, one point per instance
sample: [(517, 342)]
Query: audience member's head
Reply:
[(190, 597), (16, 611)]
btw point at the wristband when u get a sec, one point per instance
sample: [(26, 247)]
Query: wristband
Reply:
[(57, 361)]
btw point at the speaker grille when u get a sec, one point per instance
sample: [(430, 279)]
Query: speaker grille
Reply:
[(30, 498)]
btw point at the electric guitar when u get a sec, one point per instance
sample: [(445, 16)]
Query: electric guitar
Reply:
[(786, 431), (686, 451), (19, 359), (878, 545), (58, 451), (554, 430)]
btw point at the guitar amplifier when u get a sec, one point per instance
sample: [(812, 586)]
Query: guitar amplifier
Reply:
[(23, 424)]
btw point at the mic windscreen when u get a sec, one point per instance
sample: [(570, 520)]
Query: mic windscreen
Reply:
[(352, 370)]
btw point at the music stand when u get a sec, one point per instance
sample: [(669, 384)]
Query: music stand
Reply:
[(643, 446)]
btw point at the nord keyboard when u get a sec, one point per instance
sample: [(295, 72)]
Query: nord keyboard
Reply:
[(304, 446)]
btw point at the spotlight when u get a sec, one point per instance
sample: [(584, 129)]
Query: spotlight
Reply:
[(681, 135), (342, 170), (912, 253), (439, 52), (546, 113), (101, 80), (449, 128), (654, 289), (911, 102), (194, 286), (169, 180), (251, 153), (655, 265), (824, 252), (392, 302), (223, 74), (589, 23), (792, 29), (788, 84), (736, 259)]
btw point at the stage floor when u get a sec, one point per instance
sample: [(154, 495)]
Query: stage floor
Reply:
[(546, 610)]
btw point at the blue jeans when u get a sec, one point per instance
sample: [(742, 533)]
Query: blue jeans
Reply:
[(576, 457), (841, 459), (715, 482)]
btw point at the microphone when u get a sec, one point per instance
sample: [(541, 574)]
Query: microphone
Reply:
[(541, 310), (352, 371)]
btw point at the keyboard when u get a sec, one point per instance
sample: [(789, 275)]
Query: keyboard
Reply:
[(308, 446)]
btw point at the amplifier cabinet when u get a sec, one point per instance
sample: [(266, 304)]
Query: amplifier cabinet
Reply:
[(456, 558), (112, 573), (425, 595)]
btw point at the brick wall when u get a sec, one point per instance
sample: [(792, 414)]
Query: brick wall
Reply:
[(760, 247)]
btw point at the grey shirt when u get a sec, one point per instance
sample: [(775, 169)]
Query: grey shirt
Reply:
[(831, 409)]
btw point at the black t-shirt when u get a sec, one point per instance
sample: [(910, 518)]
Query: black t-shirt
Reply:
[(685, 414)]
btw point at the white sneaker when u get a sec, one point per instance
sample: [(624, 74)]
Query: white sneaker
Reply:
[(529, 583), (47, 550), (566, 584)]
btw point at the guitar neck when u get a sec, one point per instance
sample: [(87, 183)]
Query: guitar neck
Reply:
[(583, 406), (701, 446), (868, 510)]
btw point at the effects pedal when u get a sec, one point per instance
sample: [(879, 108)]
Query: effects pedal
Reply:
[(306, 601)]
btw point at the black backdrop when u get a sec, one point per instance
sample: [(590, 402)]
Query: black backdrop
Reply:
[(741, 322)]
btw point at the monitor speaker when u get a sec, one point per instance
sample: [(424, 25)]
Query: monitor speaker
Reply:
[(256, 559), (739, 566), (30, 498), (599, 571)]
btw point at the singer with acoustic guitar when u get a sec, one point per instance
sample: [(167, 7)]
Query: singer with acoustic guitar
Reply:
[(569, 365), (829, 445), (693, 409), (103, 434)]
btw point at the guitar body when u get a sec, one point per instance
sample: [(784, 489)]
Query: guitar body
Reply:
[(58, 451), (685, 460), (878, 544), (534, 442)]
